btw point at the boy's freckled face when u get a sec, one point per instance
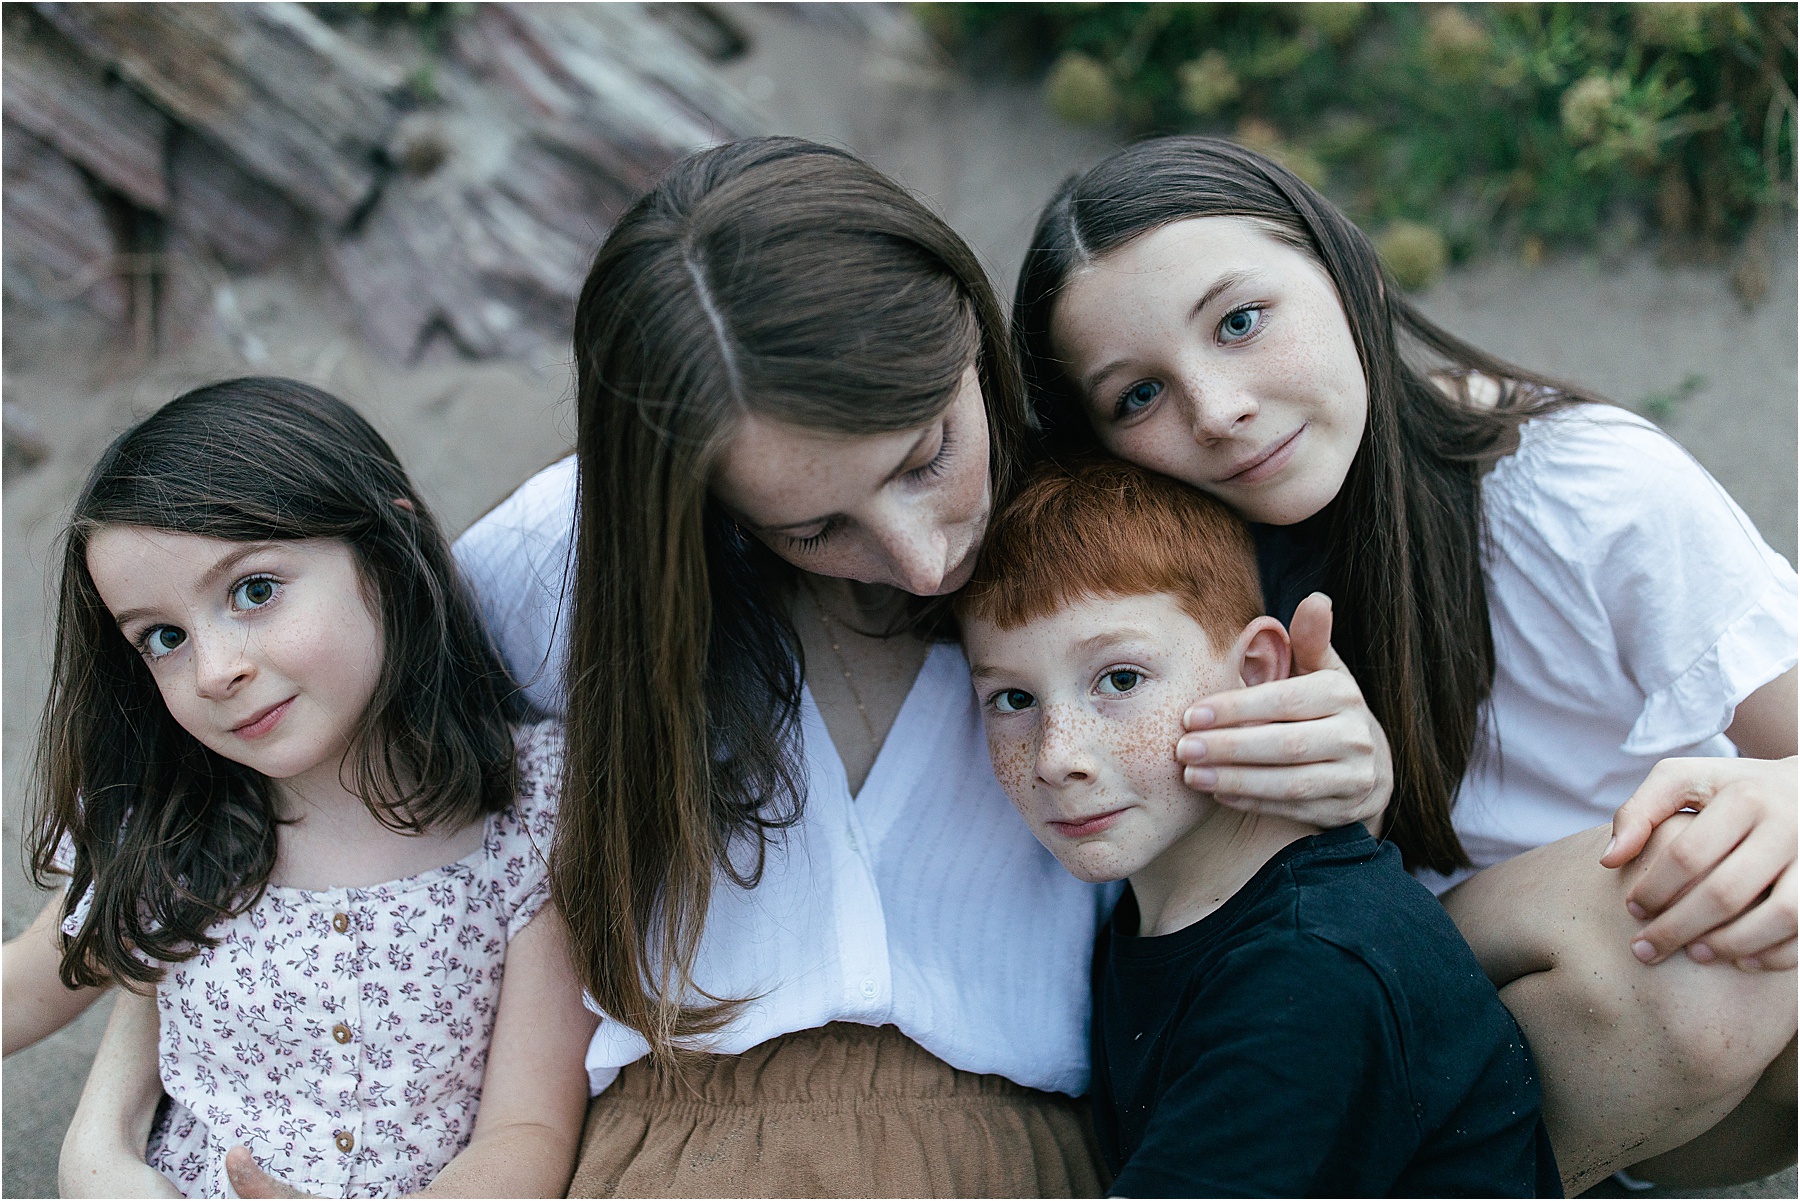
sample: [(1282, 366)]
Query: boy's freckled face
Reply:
[(1083, 709)]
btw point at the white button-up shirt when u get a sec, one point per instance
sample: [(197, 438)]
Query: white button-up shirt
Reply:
[(923, 901)]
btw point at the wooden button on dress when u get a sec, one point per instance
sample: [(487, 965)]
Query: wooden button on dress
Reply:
[(346, 1142), (340, 922), (341, 1032)]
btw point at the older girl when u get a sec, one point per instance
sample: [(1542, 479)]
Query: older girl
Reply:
[(782, 852), (1546, 599)]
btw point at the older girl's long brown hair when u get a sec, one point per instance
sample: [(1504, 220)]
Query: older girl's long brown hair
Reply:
[(1402, 540), (771, 276)]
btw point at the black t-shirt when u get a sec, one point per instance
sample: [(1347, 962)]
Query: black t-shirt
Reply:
[(1290, 564), (1326, 1032)]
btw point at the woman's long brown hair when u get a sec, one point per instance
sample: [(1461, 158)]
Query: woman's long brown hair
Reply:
[(1402, 539), (172, 836), (771, 276)]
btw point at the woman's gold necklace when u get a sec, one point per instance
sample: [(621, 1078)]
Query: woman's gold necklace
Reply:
[(843, 665)]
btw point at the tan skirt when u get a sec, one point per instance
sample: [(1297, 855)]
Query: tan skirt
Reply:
[(841, 1111)]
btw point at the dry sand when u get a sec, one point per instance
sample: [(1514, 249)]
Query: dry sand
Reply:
[(985, 155)]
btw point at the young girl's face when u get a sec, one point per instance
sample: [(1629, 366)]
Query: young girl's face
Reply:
[(1212, 352), (266, 652)]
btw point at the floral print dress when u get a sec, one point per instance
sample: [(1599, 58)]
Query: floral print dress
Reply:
[(341, 1034)]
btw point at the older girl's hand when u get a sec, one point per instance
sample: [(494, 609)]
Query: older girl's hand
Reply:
[(1724, 888), (1305, 748)]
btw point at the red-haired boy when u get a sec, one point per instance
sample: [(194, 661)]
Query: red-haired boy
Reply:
[(1278, 1009)]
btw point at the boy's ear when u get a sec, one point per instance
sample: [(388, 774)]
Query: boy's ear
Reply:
[(1261, 653)]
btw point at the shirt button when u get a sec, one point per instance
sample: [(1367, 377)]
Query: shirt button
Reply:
[(870, 988), (340, 922), (346, 1142), (341, 1032)]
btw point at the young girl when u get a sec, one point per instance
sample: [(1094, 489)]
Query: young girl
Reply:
[(1544, 598), (279, 776)]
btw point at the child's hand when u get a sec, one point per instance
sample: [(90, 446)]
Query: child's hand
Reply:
[(1724, 887), (1306, 747), (248, 1180)]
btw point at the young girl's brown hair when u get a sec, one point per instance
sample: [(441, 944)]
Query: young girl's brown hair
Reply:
[(1400, 545), (171, 836)]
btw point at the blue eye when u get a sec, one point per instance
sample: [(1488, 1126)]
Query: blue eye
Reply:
[(253, 593), (161, 640), (1240, 324), (1011, 700), (1137, 397), (1120, 681)]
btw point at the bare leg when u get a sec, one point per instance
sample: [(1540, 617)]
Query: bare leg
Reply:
[(1635, 1061), (1755, 1140)]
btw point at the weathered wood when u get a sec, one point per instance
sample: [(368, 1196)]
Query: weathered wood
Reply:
[(246, 223), (476, 261), (296, 104), (472, 216), (633, 78), (64, 99), (59, 245)]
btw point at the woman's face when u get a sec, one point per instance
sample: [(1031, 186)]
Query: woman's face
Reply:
[(1215, 353), (905, 509)]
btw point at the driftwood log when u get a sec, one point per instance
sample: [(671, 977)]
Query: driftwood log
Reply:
[(456, 187)]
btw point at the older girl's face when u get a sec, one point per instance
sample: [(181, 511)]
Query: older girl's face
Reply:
[(1215, 353), (905, 509)]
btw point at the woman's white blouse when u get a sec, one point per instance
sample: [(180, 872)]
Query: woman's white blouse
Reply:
[(1633, 606), (923, 901)]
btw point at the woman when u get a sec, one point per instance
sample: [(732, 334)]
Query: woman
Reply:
[(781, 840), (1544, 595)]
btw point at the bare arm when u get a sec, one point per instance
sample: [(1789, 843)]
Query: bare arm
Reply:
[(36, 1002), (1725, 887), (103, 1151), (535, 1094), (1767, 723)]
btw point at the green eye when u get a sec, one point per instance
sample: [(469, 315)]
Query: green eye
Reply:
[(161, 640), (1120, 681), (253, 593), (1013, 699)]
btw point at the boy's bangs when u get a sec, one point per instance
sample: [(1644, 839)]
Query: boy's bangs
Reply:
[(1103, 527)]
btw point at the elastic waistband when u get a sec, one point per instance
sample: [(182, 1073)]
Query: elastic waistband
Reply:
[(843, 1064)]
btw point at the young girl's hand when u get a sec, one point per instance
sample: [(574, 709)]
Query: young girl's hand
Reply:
[(1306, 747), (1724, 888), (248, 1180)]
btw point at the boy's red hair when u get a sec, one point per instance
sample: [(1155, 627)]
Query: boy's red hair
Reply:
[(1103, 527)]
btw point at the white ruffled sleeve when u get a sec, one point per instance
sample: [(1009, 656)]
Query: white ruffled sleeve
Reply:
[(1700, 611), (526, 831), (63, 860)]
